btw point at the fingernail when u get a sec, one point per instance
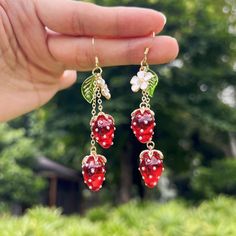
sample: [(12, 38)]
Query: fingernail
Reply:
[(164, 17), (69, 73)]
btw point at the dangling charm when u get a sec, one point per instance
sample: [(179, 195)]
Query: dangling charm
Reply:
[(151, 165), (93, 170), (143, 123), (102, 128)]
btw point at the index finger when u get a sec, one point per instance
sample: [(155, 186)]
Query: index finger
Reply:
[(86, 19)]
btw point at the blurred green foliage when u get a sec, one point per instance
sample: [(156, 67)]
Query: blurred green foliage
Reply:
[(193, 123), (215, 217), (18, 182), (220, 177)]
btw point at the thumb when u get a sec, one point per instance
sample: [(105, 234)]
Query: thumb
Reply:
[(67, 79)]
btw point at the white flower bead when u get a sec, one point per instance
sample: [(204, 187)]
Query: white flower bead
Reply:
[(140, 81)]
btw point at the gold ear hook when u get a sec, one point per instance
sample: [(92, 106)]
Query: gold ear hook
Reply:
[(95, 54), (147, 49), (144, 64), (97, 69)]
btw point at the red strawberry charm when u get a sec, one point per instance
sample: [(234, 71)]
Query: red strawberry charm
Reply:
[(93, 170), (142, 124), (151, 167), (103, 128)]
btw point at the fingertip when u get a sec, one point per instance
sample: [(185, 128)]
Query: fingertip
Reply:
[(163, 18), (175, 47), (165, 50), (160, 20), (68, 79)]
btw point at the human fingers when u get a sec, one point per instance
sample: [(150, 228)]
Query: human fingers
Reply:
[(78, 53), (86, 19)]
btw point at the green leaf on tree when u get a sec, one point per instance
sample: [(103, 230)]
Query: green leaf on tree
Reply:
[(152, 83), (87, 88)]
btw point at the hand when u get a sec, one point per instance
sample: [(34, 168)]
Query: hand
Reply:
[(43, 43)]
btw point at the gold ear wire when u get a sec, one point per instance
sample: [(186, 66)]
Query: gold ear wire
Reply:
[(144, 63), (95, 54), (97, 69)]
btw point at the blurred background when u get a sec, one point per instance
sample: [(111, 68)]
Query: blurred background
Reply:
[(195, 101)]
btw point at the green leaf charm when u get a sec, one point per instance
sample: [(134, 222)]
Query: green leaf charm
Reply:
[(152, 83), (87, 88)]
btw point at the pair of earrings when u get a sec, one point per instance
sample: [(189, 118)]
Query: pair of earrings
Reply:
[(103, 125)]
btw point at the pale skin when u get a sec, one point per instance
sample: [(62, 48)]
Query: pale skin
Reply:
[(43, 43)]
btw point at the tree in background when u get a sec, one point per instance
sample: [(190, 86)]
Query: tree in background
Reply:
[(192, 121), (19, 186)]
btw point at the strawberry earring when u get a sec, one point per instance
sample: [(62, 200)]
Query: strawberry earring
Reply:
[(143, 123), (102, 127)]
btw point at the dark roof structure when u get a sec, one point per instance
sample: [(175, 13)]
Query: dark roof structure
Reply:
[(48, 168)]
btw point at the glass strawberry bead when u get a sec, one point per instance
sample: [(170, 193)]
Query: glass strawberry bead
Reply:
[(93, 170), (151, 167), (142, 124), (103, 129)]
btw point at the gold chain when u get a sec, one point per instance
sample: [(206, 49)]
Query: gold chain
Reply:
[(99, 100), (93, 148), (96, 100), (145, 100)]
